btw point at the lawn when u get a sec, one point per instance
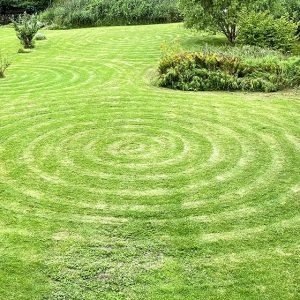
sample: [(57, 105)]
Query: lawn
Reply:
[(112, 188)]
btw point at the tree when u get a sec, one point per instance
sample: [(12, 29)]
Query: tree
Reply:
[(281, 8), (10, 8), (222, 15), (28, 5), (293, 10)]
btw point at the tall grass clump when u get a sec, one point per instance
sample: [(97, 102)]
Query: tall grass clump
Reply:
[(229, 69), (4, 64), (83, 13)]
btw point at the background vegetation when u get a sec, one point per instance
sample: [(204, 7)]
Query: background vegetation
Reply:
[(264, 30), (29, 5), (13, 8), (225, 15), (82, 13)]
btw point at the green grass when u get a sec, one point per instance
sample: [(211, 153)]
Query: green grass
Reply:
[(111, 188)]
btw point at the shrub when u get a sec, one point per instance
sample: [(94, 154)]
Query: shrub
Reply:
[(40, 36), (263, 30), (26, 27), (4, 64), (82, 13), (23, 51), (221, 70)]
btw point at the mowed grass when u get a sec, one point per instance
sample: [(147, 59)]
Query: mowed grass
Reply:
[(112, 188)]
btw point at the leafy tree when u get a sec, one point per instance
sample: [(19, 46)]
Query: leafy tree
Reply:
[(293, 9), (29, 5), (281, 8), (9, 8), (222, 15)]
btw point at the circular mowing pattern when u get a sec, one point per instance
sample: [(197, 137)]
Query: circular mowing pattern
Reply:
[(59, 78), (142, 159)]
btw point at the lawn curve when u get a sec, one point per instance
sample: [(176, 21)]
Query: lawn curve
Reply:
[(112, 188)]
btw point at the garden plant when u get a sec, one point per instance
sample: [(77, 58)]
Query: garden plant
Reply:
[(4, 64), (26, 27)]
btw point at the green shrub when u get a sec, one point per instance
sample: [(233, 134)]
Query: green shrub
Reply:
[(4, 64), (219, 70), (23, 51), (26, 27), (263, 30), (40, 36), (82, 13)]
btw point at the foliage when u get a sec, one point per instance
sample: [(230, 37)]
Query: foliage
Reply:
[(226, 15), (29, 5), (293, 11), (279, 8), (12, 8), (40, 36), (263, 30), (81, 13), (26, 27), (4, 64), (222, 15), (220, 70)]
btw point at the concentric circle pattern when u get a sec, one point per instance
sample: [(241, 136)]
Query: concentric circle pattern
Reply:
[(134, 188)]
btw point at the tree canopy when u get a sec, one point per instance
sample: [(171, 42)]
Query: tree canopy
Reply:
[(224, 15), (220, 15), (31, 5)]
